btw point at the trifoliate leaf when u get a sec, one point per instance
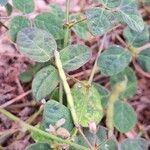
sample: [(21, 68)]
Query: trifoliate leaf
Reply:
[(17, 24), (144, 60), (54, 111), (131, 84), (134, 144), (81, 28), (37, 44), (87, 104), (39, 146), (51, 23), (74, 56), (45, 81), (25, 6), (136, 39), (3, 2), (98, 21), (114, 60), (124, 117), (104, 94)]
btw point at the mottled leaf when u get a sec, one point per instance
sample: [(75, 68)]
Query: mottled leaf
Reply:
[(17, 24), (136, 39), (114, 60), (37, 44), (124, 117), (25, 6), (87, 104), (104, 94), (144, 60), (54, 111), (131, 84), (51, 23), (98, 21), (74, 56), (45, 82), (39, 146), (134, 144)]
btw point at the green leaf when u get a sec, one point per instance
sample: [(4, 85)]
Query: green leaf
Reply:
[(37, 44), (25, 6), (54, 111), (110, 3), (9, 9), (57, 11), (131, 85), (87, 104), (81, 28), (45, 81), (3, 2), (98, 21), (110, 144), (39, 146), (17, 24), (124, 117), (134, 144), (136, 39), (147, 2), (144, 60), (114, 60), (39, 137), (74, 56), (26, 76), (104, 94), (51, 23), (99, 138), (128, 13)]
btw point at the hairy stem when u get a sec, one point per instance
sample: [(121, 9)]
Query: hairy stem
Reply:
[(34, 129), (114, 96), (66, 87)]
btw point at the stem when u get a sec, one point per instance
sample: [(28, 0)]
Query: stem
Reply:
[(67, 22), (119, 88), (34, 129), (66, 87), (95, 64), (60, 93)]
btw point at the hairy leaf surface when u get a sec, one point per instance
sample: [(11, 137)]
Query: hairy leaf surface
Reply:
[(17, 24), (134, 144), (114, 60), (124, 117), (54, 111), (98, 21), (45, 82), (39, 146), (37, 44), (74, 56), (51, 23), (25, 6), (144, 60)]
